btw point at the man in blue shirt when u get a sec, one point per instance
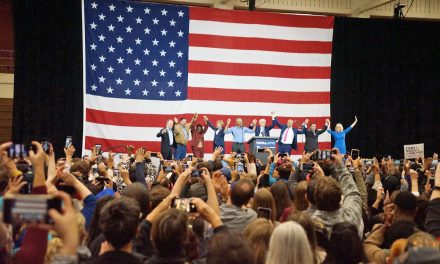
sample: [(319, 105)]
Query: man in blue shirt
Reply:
[(238, 132)]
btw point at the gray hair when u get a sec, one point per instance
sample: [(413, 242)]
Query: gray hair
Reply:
[(289, 245)]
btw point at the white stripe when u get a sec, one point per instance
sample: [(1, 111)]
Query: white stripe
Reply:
[(259, 31), (259, 57), (258, 83), (207, 107), (149, 133)]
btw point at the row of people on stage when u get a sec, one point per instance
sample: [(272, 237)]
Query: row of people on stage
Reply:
[(176, 134)]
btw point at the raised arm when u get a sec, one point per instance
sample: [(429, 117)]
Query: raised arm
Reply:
[(273, 121), (355, 122), (209, 123), (327, 123), (228, 122)]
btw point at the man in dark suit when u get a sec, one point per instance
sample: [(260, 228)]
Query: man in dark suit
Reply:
[(219, 133), (262, 130), (288, 137), (167, 142), (312, 135)]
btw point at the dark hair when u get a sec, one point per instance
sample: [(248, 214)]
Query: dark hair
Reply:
[(251, 157), (406, 202), (94, 229), (140, 193), (229, 247), (204, 164), (119, 221), (169, 232), (311, 190), (399, 229), (284, 170), (157, 194), (345, 245), (327, 194), (241, 192), (280, 193), (217, 164), (80, 166)]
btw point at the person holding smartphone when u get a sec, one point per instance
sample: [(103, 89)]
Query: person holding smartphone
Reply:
[(339, 135)]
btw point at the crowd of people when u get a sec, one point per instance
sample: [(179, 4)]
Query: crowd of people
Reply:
[(147, 208)]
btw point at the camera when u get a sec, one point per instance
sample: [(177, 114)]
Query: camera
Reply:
[(29, 208), (263, 212), (184, 204)]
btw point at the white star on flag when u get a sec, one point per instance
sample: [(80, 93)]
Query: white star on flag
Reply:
[(110, 69), (120, 18), (156, 21), (93, 46), (112, 7), (137, 61), (138, 20), (146, 52), (172, 44), (147, 30), (101, 37), (154, 83), (146, 71), (164, 32), (111, 28), (162, 73), (129, 29), (136, 82), (119, 81), (180, 13), (154, 62), (145, 92), (178, 93), (180, 33), (101, 16), (172, 63), (129, 9), (155, 42), (128, 71), (93, 66), (119, 39), (111, 49), (170, 84), (101, 79), (179, 54), (147, 10), (110, 90), (172, 23), (102, 58), (162, 93), (127, 91), (163, 53), (94, 5), (164, 12), (129, 50), (138, 41), (120, 60), (94, 87), (93, 25)]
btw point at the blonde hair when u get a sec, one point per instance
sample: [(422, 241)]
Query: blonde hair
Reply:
[(56, 243), (258, 233), (221, 122), (339, 125), (289, 245)]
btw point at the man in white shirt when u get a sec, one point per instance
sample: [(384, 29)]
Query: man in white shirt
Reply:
[(288, 137)]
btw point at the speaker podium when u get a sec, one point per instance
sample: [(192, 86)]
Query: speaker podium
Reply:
[(257, 142)]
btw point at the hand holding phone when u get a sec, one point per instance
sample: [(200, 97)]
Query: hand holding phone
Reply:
[(29, 208), (355, 153)]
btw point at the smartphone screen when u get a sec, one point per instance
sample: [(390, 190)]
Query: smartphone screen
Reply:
[(190, 157), (98, 148), (68, 141), (354, 154), (154, 154), (46, 146), (260, 150), (263, 212), (183, 204), (240, 168), (29, 208)]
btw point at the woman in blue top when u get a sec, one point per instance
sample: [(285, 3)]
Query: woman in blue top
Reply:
[(339, 135)]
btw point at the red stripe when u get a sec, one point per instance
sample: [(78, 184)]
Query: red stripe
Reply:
[(152, 120), (265, 18), (242, 43), (155, 145), (266, 70), (260, 96)]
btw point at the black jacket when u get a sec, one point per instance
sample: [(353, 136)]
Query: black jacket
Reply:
[(312, 138)]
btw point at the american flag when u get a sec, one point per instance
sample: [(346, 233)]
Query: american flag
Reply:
[(145, 63)]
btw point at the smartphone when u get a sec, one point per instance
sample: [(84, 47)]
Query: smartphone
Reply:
[(306, 166), (434, 164), (239, 167), (95, 171), (282, 155), (168, 169), (354, 154), (116, 172), (46, 146), (185, 166), (102, 179), (18, 151), (263, 212), (396, 162), (183, 204), (154, 154), (189, 157), (98, 148), (260, 150), (196, 173), (238, 156), (29, 208), (68, 141)]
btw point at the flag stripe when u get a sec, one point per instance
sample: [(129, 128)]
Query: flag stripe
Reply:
[(248, 69), (259, 31), (241, 43), (261, 96), (159, 120), (258, 83), (259, 57), (208, 107), (155, 145), (245, 17)]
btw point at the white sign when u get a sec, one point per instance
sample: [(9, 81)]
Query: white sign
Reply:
[(414, 151)]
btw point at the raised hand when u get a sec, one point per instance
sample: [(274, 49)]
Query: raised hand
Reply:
[(228, 121), (205, 118), (15, 184), (306, 121), (176, 120), (254, 122)]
